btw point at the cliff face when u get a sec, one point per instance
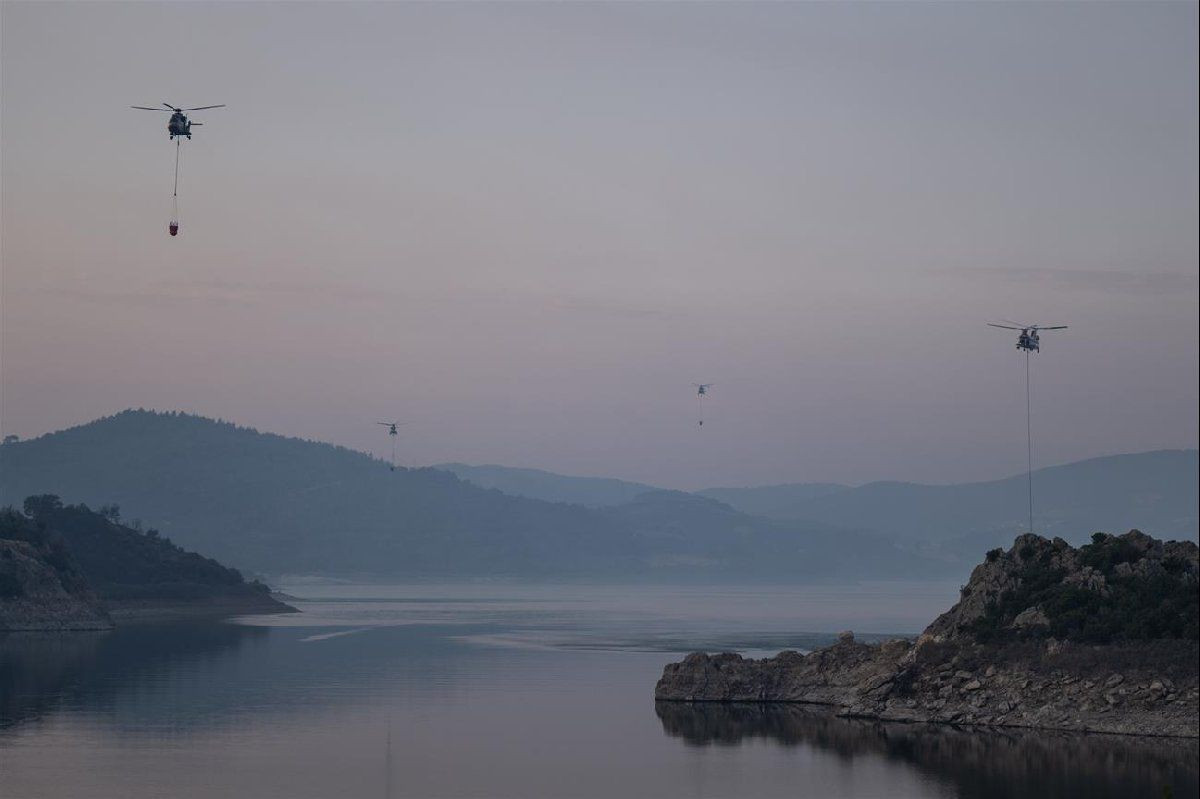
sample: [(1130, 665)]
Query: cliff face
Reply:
[(40, 590), (1099, 638)]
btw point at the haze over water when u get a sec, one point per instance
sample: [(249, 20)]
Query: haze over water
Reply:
[(499, 691)]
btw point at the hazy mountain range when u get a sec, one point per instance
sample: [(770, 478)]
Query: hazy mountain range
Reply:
[(594, 492), (1153, 491), (283, 505)]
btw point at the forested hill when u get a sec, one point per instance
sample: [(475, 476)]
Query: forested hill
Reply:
[(136, 564), (283, 505)]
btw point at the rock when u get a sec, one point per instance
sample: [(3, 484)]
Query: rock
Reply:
[(44, 591), (951, 674), (1030, 618)]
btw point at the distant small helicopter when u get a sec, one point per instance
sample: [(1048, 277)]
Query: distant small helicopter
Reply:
[(1029, 339), (392, 433), (701, 393), (179, 124)]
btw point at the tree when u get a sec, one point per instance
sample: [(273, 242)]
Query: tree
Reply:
[(42, 505)]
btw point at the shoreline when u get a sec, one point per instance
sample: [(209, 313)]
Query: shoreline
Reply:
[(956, 725)]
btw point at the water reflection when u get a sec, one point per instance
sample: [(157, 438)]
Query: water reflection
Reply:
[(44, 672), (978, 764)]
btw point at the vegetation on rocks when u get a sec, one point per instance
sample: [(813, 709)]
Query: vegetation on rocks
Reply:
[(1099, 638), (1118, 588)]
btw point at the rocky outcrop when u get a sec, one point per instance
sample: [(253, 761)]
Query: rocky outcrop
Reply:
[(1052, 571), (39, 591), (992, 659)]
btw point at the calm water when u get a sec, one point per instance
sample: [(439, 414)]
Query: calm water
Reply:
[(470, 691)]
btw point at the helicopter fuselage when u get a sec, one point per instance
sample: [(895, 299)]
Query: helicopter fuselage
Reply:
[(1029, 341), (179, 125)]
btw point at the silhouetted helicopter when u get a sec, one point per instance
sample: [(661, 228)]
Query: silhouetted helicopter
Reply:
[(1029, 339), (392, 433), (701, 393), (179, 124), (1030, 343)]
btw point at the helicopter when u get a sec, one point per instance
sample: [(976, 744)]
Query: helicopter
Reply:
[(1029, 339), (392, 433), (701, 393), (178, 124), (1030, 342)]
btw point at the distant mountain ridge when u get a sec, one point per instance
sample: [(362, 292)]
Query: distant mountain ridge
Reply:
[(283, 505), (594, 492), (775, 501), (1152, 491)]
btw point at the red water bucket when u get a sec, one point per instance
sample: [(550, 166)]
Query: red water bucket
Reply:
[(173, 228)]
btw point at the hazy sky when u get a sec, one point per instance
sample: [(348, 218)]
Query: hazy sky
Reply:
[(526, 229)]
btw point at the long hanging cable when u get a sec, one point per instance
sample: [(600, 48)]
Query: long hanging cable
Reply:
[(175, 192), (1029, 439)]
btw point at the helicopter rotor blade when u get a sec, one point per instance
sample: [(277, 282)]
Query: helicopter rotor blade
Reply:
[(1051, 327), (173, 108), (1006, 327), (144, 108), (204, 107)]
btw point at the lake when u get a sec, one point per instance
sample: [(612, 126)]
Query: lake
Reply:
[(506, 691)]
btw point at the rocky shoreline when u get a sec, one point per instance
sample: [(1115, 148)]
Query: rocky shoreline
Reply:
[(961, 671)]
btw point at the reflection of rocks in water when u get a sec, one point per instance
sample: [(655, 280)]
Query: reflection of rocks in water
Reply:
[(977, 764), (40, 672)]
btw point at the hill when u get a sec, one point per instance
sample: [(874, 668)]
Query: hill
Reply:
[(538, 484), (777, 501), (283, 505), (1153, 491), (141, 573), (41, 585), (688, 534)]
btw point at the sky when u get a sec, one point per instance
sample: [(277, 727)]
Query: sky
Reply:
[(527, 229)]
